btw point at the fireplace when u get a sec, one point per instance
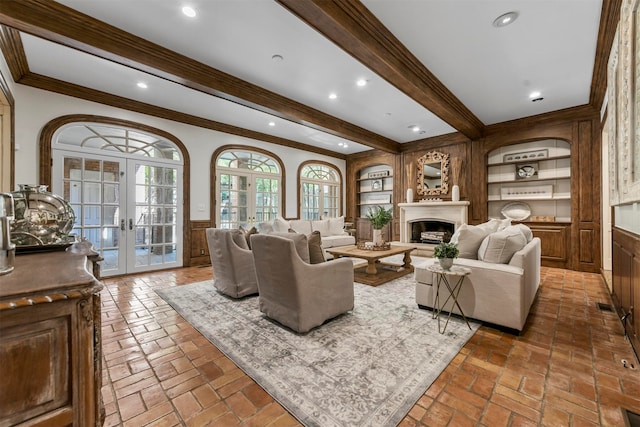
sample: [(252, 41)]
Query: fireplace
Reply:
[(431, 231), (434, 217)]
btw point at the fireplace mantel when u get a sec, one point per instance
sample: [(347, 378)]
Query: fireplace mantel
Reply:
[(453, 212)]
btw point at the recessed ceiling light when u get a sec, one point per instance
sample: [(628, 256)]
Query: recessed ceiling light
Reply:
[(361, 82), (142, 85), (189, 11), (272, 123), (506, 19), (332, 96), (415, 129), (535, 94)]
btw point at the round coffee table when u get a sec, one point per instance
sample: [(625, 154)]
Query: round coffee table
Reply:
[(455, 271)]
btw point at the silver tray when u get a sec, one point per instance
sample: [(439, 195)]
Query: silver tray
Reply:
[(516, 211)]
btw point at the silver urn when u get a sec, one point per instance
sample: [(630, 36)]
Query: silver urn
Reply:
[(41, 218)]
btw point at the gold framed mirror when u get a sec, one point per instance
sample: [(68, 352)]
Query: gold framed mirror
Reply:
[(433, 174)]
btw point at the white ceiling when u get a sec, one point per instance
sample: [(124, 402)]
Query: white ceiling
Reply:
[(550, 48)]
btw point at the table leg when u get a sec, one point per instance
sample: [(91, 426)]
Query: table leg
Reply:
[(371, 267), (453, 293), (407, 259)]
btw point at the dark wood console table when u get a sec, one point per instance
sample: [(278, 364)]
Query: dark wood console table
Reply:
[(50, 342)]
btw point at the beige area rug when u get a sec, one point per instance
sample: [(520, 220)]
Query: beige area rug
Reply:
[(364, 368)]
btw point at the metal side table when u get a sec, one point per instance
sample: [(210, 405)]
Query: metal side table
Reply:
[(442, 277)]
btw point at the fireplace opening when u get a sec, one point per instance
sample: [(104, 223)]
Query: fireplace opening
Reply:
[(431, 231)]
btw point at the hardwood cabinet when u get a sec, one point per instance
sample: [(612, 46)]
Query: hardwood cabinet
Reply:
[(50, 342)]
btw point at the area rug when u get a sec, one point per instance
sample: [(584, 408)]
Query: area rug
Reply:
[(364, 368)]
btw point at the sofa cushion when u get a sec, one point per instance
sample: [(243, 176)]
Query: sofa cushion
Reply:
[(469, 238), (335, 241), (248, 233), (500, 246), (336, 226), (316, 254), (321, 225), (265, 227), (281, 225), (301, 226)]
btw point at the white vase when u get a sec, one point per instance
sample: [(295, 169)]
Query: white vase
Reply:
[(446, 263), (409, 195), (377, 237), (455, 193)]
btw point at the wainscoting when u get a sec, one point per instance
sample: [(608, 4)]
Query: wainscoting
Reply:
[(199, 248), (626, 282)]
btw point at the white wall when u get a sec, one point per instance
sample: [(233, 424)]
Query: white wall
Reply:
[(35, 108)]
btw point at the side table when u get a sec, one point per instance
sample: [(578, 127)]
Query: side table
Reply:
[(442, 277)]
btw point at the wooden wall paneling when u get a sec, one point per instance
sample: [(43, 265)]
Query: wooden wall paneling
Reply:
[(478, 211), (626, 281), (555, 243), (199, 248)]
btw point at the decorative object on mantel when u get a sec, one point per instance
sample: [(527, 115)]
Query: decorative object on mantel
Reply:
[(431, 199), (42, 219), (433, 174), (409, 168), (379, 217), (456, 168), (7, 249), (445, 253)]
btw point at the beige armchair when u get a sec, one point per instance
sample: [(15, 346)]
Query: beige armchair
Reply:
[(295, 293), (233, 269)]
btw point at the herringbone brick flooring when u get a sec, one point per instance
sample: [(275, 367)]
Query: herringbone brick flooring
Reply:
[(564, 370)]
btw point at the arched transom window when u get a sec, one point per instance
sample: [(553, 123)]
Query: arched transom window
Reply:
[(320, 191), (248, 188), (117, 140)]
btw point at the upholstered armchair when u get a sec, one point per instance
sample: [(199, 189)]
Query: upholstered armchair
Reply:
[(295, 293), (233, 269)]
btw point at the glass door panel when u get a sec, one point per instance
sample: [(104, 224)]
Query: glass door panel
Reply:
[(234, 199), (310, 200), (267, 199)]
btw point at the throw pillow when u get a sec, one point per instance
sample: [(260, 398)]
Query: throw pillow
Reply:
[(301, 226), (316, 254), (265, 227), (499, 247), (526, 231), (247, 234), (299, 240), (281, 225), (336, 226), (238, 237), (469, 238), (322, 226)]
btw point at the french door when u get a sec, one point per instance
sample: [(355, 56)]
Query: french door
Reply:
[(246, 198), (127, 207)]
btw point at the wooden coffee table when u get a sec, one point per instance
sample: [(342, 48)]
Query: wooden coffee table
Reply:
[(375, 273)]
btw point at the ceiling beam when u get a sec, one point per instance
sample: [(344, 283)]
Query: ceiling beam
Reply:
[(60, 24), (351, 26)]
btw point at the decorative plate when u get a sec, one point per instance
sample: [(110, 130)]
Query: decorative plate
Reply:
[(516, 211)]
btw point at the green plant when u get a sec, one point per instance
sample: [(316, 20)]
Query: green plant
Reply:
[(379, 217), (446, 250)]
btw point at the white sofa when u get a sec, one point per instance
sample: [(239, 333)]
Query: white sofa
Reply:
[(331, 230), (497, 293)]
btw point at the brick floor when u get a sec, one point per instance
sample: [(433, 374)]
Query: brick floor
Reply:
[(564, 369)]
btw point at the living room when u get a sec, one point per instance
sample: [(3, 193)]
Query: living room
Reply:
[(576, 247)]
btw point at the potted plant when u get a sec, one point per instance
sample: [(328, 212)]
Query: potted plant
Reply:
[(446, 252), (379, 217)]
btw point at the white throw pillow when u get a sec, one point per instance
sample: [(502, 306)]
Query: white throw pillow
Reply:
[(281, 225), (301, 226), (469, 238), (265, 227), (336, 226), (321, 225), (499, 247), (526, 231)]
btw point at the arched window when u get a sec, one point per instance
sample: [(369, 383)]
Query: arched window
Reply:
[(247, 187), (320, 191)]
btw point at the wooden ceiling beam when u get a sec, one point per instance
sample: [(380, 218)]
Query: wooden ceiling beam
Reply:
[(352, 27), (60, 24)]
